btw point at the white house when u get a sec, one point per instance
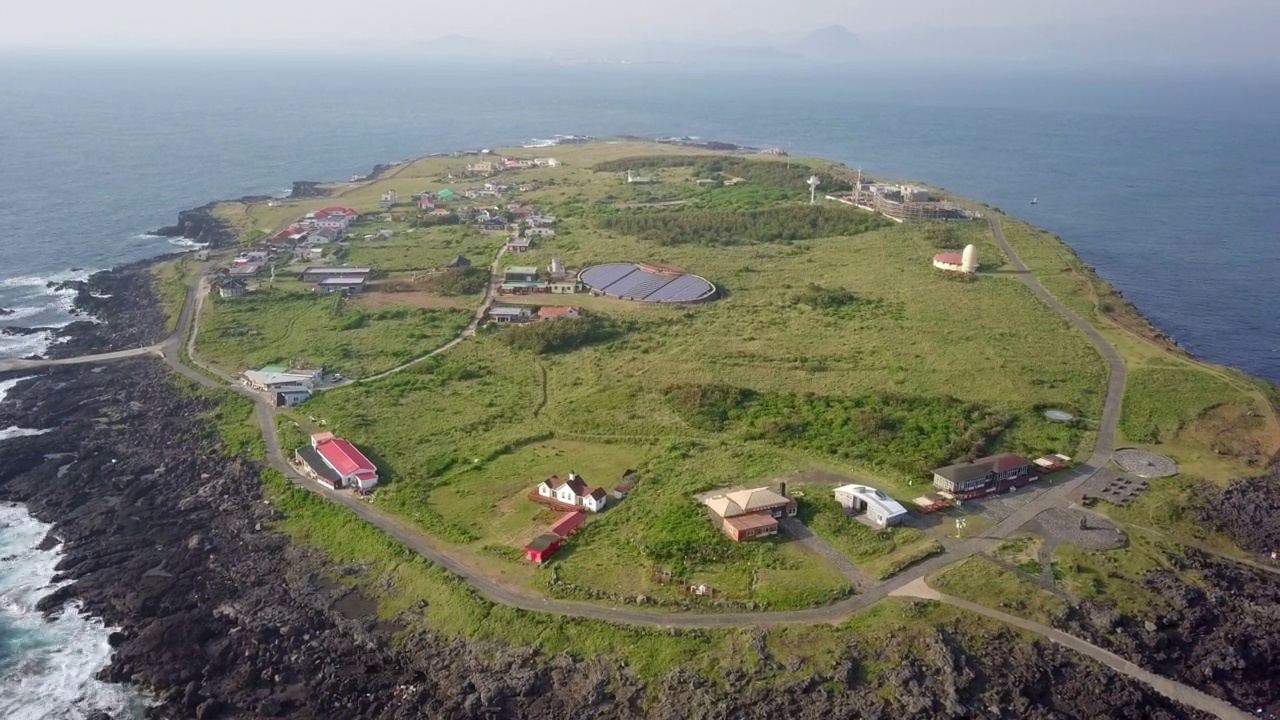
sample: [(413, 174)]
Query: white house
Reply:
[(275, 379), (574, 492), (539, 232), (881, 509)]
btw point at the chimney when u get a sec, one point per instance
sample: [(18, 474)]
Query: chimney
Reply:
[(782, 489)]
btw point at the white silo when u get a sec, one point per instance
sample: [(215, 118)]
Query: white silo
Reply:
[(969, 259)]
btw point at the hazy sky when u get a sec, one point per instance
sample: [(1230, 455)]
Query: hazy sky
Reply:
[(916, 24)]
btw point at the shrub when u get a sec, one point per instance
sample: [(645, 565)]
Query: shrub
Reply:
[(560, 335), (781, 224), (462, 281), (824, 298)]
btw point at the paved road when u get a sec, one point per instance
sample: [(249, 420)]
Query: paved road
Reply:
[(805, 537), (21, 364), (1171, 689)]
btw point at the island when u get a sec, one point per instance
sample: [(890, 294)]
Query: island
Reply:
[(629, 428)]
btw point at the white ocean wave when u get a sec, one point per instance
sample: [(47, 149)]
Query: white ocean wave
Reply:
[(47, 668), (187, 244), (20, 346), (42, 281), (17, 432), (7, 385)]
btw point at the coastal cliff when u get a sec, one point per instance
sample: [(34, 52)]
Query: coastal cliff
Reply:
[(199, 225)]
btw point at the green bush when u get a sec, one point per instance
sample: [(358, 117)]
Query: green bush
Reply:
[(462, 281), (905, 433), (781, 224), (824, 298), (559, 335)]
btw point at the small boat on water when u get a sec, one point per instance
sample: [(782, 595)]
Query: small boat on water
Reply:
[(1035, 201)]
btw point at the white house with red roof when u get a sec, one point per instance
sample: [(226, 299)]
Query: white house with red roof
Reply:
[(573, 492), (337, 463), (333, 218)]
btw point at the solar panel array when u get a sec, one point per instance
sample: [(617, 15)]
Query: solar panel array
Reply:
[(626, 280)]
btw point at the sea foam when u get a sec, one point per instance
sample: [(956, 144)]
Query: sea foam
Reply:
[(47, 666)]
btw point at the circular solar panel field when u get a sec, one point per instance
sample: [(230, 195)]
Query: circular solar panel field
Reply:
[(647, 283)]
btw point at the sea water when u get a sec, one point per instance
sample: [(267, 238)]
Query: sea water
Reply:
[(1166, 182)]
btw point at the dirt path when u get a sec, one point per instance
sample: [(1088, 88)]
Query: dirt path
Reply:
[(1171, 689)]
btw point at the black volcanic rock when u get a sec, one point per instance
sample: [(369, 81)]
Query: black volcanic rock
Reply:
[(199, 225), (307, 189), (124, 304), (5, 311)]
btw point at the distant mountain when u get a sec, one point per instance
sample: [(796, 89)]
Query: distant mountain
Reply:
[(832, 41)]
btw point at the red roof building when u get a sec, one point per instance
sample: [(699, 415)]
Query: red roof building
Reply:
[(541, 547), (336, 212), (567, 524), (349, 465), (948, 258), (552, 311)]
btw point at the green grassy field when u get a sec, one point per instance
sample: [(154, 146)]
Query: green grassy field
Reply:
[(979, 580), (171, 278), (856, 355), (294, 325), (939, 366), (881, 553)]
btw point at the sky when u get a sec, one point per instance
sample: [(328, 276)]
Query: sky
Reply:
[(1239, 30)]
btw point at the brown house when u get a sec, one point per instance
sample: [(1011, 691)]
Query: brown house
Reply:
[(747, 514)]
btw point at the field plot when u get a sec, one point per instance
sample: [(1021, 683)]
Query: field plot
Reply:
[(323, 330)]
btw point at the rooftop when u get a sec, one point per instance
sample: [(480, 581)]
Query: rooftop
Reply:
[(751, 521), (740, 502), (543, 542), (961, 472)]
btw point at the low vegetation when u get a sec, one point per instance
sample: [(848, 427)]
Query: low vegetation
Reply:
[(824, 298), (881, 553), (982, 581), (784, 175), (780, 224), (1160, 402), (561, 334), (907, 434), (299, 326), (461, 281)]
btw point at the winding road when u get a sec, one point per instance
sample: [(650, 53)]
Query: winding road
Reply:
[(909, 583)]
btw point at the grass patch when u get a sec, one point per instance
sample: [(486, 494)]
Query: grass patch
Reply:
[(287, 326), (171, 278), (1160, 402), (881, 553), (981, 581), (233, 417), (781, 224)]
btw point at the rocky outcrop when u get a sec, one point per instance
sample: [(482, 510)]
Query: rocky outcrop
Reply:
[(124, 307), (1217, 634), (1247, 511), (170, 540), (307, 189), (199, 225)]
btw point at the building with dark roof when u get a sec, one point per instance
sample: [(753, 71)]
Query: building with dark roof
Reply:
[(998, 473), (541, 547)]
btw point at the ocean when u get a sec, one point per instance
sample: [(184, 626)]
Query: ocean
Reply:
[(1168, 184)]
